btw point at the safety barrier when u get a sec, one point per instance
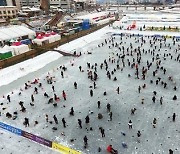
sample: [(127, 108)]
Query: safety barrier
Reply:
[(54, 145)]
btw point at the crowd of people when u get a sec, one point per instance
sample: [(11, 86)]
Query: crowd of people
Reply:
[(148, 72)]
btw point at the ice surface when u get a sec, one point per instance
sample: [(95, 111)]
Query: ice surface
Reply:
[(153, 140)]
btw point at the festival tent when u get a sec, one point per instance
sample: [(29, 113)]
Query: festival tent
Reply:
[(5, 53), (46, 38), (40, 40), (19, 49), (15, 32)]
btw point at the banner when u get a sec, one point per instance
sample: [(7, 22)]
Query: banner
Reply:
[(37, 139), (64, 149), (11, 128)]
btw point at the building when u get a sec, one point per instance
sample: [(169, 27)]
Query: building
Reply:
[(63, 4), (10, 3), (14, 3), (29, 2), (55, 3), (8, 12), (3, 3)]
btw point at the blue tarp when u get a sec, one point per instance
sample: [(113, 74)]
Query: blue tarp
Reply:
[(85, 24), (26, 41)]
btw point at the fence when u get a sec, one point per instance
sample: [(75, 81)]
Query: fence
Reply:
[(54, 145)]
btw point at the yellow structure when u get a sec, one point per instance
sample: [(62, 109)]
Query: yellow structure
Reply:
[(63, 149)]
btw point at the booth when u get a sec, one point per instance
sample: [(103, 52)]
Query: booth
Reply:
[(46, 38), (19, 49), (5, 53)]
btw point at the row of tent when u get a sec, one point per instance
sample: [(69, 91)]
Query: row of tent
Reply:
[(14, 32), (44, 38)]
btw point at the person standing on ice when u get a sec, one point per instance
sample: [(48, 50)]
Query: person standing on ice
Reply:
[(94, 84), (64, 95), (47, 117), (55, 119), (174, 117), (72, 111), (75, 85), (138, 133), (32, 98), (99, 104), (170, 151), (36, 90), (110, 116), (62, 74), (80, 123), (53, 88), (91, 92), (8, 98), (117, 90), (80, 68), (85, 141), (64, 122), (87, 119), (130, 124), (102, 131), (154, 122), (154, 99), (108, 106), (139, 89), (161, 100)]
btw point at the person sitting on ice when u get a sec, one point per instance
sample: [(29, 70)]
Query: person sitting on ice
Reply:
[(111, 150), (26, 122), (21, 68), (124, 145), (27, 86), (174, 97), (15, 115), (50, 100), (40, 85), (35, 81), (23, 109), (46, 95), (8, 115), (35, 123), (55, 104)]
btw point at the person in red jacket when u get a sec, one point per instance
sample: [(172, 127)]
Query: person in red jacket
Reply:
[(111, 150), (64, 95)]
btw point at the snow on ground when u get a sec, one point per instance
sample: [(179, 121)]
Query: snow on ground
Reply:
[(24, 68), (153, 140)]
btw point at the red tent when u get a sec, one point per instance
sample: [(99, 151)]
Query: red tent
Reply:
[(16, 43), (47, 34), (39, 36), (53, 33)]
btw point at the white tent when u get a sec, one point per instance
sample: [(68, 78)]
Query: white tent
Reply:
[(50, 39), (41, 41), (14, 32), (16, 50)]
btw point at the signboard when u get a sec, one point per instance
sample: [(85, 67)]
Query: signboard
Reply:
[(64, 149), (11, 128), (37, 139)]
